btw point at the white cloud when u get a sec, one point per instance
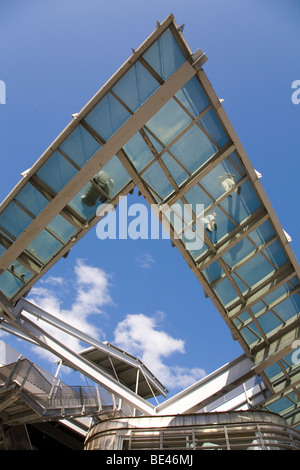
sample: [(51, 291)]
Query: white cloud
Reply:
[(145, 260), (91, 294), (138, 334)]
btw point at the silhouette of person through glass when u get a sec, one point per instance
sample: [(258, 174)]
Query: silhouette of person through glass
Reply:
[(105, 182), (227, 181)]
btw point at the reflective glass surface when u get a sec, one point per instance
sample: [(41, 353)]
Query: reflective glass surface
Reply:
[(30, 198), (14, 220), (107, 116), (136, 86), (80, 146), (56, 172), (165, 56)]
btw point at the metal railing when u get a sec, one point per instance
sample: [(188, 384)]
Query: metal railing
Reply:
[(52, 398)]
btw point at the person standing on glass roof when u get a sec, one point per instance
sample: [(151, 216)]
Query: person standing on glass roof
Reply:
[(227, 181), (105, 182), (210, 222)]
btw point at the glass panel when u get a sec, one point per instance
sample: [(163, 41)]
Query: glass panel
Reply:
[(238, 252), (275, 253), (196, 195), (177, 172), (157, 179), (193, 149), (168, 122), (118, 177), (273, 370), (212, 125), (240, 206), (249, 336), (139, 152), (280, 405), (136, 86), (32, 199), (56, 172), (243, 288), (225, 292), (262, 234), (107, 116), (280, 291), (255, 270), (80, 146), (213, 271), (194, 243), (223, 225), (62, 228), (44, 246), (289, 307), (234, 159), (85, 211), (216, 182), (259, 306), (112, 179), (165, 56), (269, 322), (10, 284), (193, 97), (21, 271), (14, 220)]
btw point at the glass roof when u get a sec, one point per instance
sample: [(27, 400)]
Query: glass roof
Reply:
[(183, 153)]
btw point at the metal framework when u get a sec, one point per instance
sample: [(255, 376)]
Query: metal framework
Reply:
[(158, 124)]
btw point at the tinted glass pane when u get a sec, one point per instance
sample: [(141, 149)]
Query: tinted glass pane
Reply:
[(193, 97), (107, 116), (165, 56), (9, 284), (213, 271), (223, 223), (216, 182), (14, 220), (44, 246), (277, 293), (269, 322), (157, 180), (138, 152), (275, 254), (280, 405), (111, 179), (178, 173), (193, 149), (249, 335), (168, 122), (119, 177), (57, 172), (80, 146), (62, 228), (255, 269), (238, 252), (136, 86), (289, 307), (85, 211), (21, 271), (240, 206), (262, 234), (212, 125), (32, 199), (225, 292), (196, 195)]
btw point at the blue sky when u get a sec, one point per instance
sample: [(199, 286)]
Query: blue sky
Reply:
[(54, 56)]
